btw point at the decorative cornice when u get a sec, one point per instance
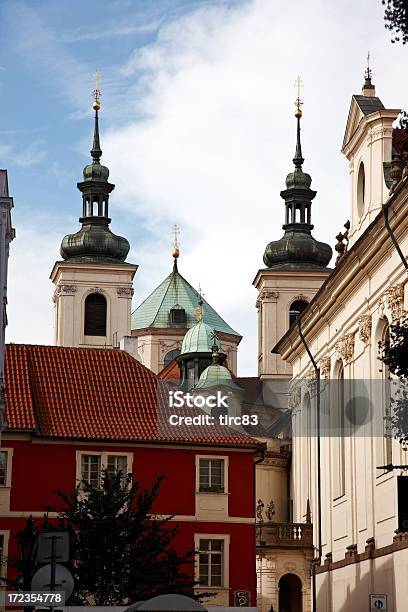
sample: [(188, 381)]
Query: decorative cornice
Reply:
[(62, 290), (364, 328), (395, 301), (302, 297), (125, 292), (269, 295), (345, 348), (266, 295)]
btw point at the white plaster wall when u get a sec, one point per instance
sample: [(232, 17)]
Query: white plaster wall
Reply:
[(276, 292), (74, 282)]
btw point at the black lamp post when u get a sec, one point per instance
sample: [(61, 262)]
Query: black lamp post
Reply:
[(26, 540)]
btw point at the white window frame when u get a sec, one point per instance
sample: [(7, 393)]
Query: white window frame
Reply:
[(225, 458), (9, 452), (225, 537), (104, 460)]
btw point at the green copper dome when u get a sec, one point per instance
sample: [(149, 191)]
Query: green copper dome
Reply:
[(216, 375), (198, 339)]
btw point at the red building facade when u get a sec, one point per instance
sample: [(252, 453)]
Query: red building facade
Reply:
[(70, 412)]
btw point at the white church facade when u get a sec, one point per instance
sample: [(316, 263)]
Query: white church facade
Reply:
[(354, 504)]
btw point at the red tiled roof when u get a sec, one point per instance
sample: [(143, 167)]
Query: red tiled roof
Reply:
[(170, 372), (90, 394)]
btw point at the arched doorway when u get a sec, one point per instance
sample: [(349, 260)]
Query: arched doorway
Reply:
[(290, 593)]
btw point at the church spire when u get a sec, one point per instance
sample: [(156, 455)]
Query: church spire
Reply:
[(96, 152), (297, 249), (298, 159), (95, 241)]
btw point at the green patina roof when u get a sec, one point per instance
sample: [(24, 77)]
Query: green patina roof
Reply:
[(198, 339), (175, 290), (214, 375)]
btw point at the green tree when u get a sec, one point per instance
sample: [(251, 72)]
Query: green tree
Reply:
[(396, 19), (120, 551), (394, 353)]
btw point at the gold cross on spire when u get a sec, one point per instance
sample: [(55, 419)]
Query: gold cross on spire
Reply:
[(97, 92), (298, 101), (176, 249)]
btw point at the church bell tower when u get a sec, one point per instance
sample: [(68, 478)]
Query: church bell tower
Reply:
[(296, 266), (93, 283)]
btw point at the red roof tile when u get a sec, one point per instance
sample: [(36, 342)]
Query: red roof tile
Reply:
[(170, 372), (91, 394)]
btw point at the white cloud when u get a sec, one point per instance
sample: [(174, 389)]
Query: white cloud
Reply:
[(207, 141), (30, 309), (217, 134), (97, 33)]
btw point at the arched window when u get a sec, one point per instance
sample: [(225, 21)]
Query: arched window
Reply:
[(95, 315), (338, 439), (295, 309), (385, 427), (171, 355), (361, 187), (307, 424)]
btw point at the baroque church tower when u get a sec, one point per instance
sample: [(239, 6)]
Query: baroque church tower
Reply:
[(93, 283), (367, 145), (296, 267)]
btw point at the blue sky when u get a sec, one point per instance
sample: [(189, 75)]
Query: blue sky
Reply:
[(197, 129)]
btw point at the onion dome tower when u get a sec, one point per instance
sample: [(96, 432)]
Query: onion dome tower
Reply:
[(199, 345), (296, 265), (93, 283), (297, 249), (217, 377), (95, 241)]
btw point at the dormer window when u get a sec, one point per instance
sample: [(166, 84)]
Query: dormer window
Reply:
[(178, 316)]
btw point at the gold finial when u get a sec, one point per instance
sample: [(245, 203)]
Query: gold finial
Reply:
[(176, 248), (97, 92), (298, 101)]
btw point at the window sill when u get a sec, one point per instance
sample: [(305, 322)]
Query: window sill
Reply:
[(212, 493), (212, 588)]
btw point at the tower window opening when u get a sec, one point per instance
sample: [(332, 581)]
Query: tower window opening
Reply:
[(295, 309), (95, 315), (178, 316)]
